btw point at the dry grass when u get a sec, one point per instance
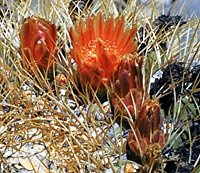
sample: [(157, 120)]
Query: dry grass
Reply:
[(59, 123)]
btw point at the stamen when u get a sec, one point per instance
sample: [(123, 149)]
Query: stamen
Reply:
[(89, 50)]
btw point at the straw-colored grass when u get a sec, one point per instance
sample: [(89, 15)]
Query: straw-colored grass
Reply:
[(54, 130)]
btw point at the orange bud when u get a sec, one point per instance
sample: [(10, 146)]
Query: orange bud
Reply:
[(129, 75), (159, 138), (149, 118), (129, 85), (61, 79), (38, 43), (137, 146)]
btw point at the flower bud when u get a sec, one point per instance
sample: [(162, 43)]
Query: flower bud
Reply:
[(38, 44)]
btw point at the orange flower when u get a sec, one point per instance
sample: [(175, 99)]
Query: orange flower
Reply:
[(38, 43), (98, 47)]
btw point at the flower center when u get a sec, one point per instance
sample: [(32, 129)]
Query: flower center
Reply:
[(90, 50), (110, 47), (91, 59)]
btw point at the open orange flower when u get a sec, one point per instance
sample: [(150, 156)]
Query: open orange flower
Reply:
[(98, 47), (38, 43)]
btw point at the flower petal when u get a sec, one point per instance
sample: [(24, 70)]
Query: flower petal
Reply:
[(41, 53)]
